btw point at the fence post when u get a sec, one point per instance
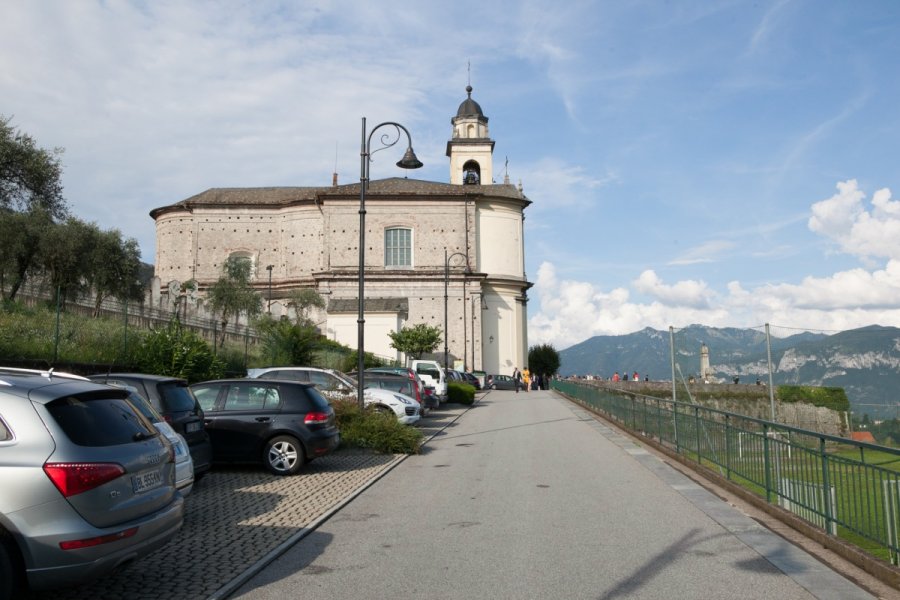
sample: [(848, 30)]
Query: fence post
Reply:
[(125, 335), (659, 420), (728, 447), (675, 426), (56, 335), (826, 488), (697, 433), (766, 462)]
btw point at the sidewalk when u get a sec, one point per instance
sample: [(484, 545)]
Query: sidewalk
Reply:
[(530, 496)]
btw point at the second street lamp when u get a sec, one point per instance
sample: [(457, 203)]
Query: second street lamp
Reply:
[(446, 283), (409, 161), (269, 301)]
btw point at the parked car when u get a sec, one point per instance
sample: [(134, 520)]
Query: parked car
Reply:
[(173, 399), (482, 377), (433, 374), (282, 424), (86, 482), (470, 379), (453, 375), (378, 382), (501, 382), (184, 464), (335, 385), (421, 396)]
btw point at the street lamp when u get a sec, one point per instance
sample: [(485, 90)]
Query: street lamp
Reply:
[(409, 161), (446, 282), (269, 302)]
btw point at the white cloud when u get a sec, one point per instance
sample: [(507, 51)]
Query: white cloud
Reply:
[(694, 294), (559, 184), (856, 230), (704, 253)]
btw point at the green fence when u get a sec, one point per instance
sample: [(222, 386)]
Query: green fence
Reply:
[(848, 489)]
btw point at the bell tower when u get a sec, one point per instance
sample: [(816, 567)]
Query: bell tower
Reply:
[(470, 149)]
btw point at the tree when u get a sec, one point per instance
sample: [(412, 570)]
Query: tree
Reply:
[(543, 360), (286, 343), (416, 340), (30, 201), (29, 176), (20, 244), (62, 256), (302, 300), (115, 268), (232, 293)]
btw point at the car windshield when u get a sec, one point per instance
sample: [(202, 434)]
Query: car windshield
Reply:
[(345, 379), (93, 419), (177, 397), (144, 407)]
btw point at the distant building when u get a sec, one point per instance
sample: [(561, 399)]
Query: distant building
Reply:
[(310, 237)]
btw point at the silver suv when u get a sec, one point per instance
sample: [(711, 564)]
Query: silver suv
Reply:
[(86, 482)]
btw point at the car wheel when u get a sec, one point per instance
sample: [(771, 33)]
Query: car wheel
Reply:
[(384, 410), (284, 455), (10, 571), (493, 386)]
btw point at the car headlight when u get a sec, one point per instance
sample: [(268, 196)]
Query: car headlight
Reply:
[(402, 399)]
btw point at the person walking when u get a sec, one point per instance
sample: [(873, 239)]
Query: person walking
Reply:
[(517, 377), (526, 377)]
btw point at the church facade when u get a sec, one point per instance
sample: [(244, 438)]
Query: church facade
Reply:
[(429, 245)]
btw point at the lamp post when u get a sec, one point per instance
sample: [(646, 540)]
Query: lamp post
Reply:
[(269, 301), (446, 283), (409, 161)]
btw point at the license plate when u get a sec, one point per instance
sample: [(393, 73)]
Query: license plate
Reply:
[(193, 427), (146, 481)]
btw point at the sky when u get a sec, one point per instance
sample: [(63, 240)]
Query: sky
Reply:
[(725, 162)]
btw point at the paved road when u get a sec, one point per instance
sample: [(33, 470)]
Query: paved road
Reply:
[(528, 496)]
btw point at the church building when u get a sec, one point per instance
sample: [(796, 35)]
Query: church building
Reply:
[(431, 247)]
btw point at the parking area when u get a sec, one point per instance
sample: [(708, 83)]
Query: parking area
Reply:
[(238, 516)]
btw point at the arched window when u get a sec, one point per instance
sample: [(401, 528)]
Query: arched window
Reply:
[(249, 257), (398, 247), (471, 173)]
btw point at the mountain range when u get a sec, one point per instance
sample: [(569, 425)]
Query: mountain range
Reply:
[(865, 362)]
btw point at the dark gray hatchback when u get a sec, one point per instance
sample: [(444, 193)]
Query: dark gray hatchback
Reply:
[(282, 424), (173, 399)]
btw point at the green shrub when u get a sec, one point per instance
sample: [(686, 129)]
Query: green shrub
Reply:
[(351, 361), (460, 393), (234, 359), (374, 430), (179, 352), (834, 398)]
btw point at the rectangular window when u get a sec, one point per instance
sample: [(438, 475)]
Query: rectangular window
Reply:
[(398, 247)]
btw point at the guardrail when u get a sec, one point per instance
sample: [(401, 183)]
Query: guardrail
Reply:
[(848, 489)]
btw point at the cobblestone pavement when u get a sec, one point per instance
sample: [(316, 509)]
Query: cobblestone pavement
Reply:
[(238, 516)]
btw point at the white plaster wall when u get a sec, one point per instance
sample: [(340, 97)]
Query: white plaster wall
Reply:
[(344, 329), (499, 232)]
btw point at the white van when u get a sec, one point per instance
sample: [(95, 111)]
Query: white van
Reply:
[(432, 374)]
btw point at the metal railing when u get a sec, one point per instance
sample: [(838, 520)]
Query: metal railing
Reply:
[(848, 489)]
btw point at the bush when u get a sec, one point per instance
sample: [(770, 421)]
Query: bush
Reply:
[(460, 393), (178, 352), (375, 430), (834, 398), (351, 361)]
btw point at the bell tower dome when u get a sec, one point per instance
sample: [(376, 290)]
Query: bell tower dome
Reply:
[(470, 148)]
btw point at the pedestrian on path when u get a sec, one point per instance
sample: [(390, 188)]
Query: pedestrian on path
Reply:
[(517, 377)]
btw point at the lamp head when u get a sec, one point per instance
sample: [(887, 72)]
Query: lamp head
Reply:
[(409, 160)]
